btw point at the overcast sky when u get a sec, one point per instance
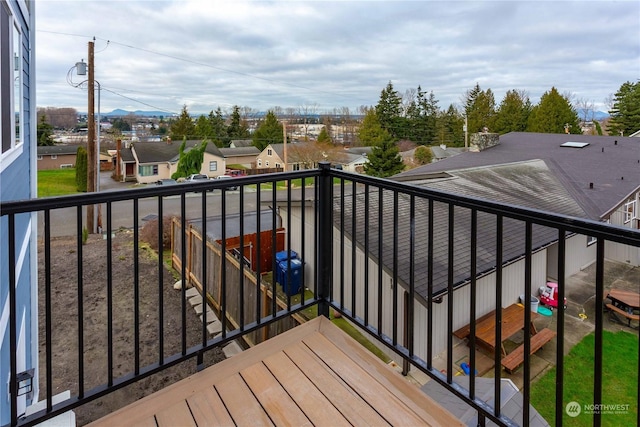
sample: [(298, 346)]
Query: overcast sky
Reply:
[(205, 54)]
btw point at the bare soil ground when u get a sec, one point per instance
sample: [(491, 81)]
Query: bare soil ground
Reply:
[(65, 341)]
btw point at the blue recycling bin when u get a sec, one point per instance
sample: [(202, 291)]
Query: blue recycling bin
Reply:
[(290, 279), (283, 256)]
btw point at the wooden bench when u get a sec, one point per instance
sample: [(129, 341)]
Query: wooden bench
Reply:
[(630, 316), (514, 359), (464, 332)]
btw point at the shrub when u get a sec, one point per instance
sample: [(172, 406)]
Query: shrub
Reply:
[(149, 233), (423, 155)]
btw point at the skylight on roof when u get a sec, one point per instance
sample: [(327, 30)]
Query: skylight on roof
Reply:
[(572, 144)]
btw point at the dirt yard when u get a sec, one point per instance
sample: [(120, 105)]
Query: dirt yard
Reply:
[(65, 315)]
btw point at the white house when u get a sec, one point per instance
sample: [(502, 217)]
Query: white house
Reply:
[(18, 173)]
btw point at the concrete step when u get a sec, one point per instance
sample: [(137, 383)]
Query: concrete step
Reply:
[(232, 349)]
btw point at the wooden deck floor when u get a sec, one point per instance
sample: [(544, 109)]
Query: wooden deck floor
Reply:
[(313, 374)]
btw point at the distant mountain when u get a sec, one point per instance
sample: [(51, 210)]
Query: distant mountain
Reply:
[(597, 115)]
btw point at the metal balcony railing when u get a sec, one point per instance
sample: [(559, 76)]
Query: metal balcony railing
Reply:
[(376, 251)]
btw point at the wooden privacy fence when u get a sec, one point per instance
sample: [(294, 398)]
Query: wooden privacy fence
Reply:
[(233, 305)]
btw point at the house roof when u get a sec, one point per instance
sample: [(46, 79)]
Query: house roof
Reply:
[(237, 143), (58, 149), (126, 155), (611, 164), (159, 152), (510, 401), (239, 151), (442, 151), (384, 232)]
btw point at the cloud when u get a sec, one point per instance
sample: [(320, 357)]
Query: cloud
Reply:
[(337, 54)]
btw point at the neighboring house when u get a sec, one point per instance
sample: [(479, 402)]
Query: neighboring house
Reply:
[(240, 143), (242, 156), (599, 181), (18, 182), (441, 152), (636, 134), (57, 157), (273, 156), (156, 161), (127, 164), (352, 162)]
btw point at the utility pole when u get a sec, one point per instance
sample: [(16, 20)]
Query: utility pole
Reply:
[(466, 132), (91, 141), (284, 132)]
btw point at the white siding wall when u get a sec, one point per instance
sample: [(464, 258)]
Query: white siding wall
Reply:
[(619, 252)]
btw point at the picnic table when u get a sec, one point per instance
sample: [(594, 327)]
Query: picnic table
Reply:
[(624, 303), (512, 322)]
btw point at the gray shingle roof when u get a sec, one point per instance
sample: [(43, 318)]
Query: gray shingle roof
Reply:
[(383, 228), (58, 149), (239, 151), (127, 155), (612, 164), (511, 401), (158, 152)]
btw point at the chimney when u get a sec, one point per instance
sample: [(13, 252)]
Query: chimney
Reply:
[(481, 141), (118, 148), (615, 142), (591, 186)]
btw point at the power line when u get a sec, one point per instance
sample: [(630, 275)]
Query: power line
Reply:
[(203, 64)]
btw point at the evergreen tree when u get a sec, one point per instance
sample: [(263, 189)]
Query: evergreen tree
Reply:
[(371, 132), (422, 117), (183, 127), (190, 161), (81, 169), (45, 133), (513, 112), (625, 114), (480, 108), (389, 112), (268, 132), (554, 114), (324, 137), (203, 128), (449, 128), (237, 128), (219, 134), (384, 159)]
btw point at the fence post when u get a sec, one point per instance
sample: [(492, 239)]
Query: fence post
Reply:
[(324, 238)]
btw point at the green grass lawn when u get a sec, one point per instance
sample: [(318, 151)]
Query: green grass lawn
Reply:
[(56, 182), (619, 384)]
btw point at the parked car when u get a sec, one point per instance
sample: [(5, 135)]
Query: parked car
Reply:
[(233, 187), (166, 181), (197, 177)]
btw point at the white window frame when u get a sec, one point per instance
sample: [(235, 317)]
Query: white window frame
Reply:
[(15, 149), (39, 157), (54, 157), (630, 211), (213, 166), (259, 162), (266, 163), (269, 152)]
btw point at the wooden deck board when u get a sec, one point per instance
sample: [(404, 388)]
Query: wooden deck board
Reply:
[(175, 415), (345, 400), (207, 408), (313, 403), (313, 374), (239, 401), (274, 399)]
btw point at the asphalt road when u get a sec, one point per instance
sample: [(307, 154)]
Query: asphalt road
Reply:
[(63, 221)]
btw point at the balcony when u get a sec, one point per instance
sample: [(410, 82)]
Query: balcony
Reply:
[(408, 266)]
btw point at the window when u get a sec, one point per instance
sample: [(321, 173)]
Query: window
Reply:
[(148, 170), (269, 152), (213, 166), (66, 166), (39, 157), (10, 82), (54, 156), (591, 240), (630, 211), (266, 163), (259, 162)]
